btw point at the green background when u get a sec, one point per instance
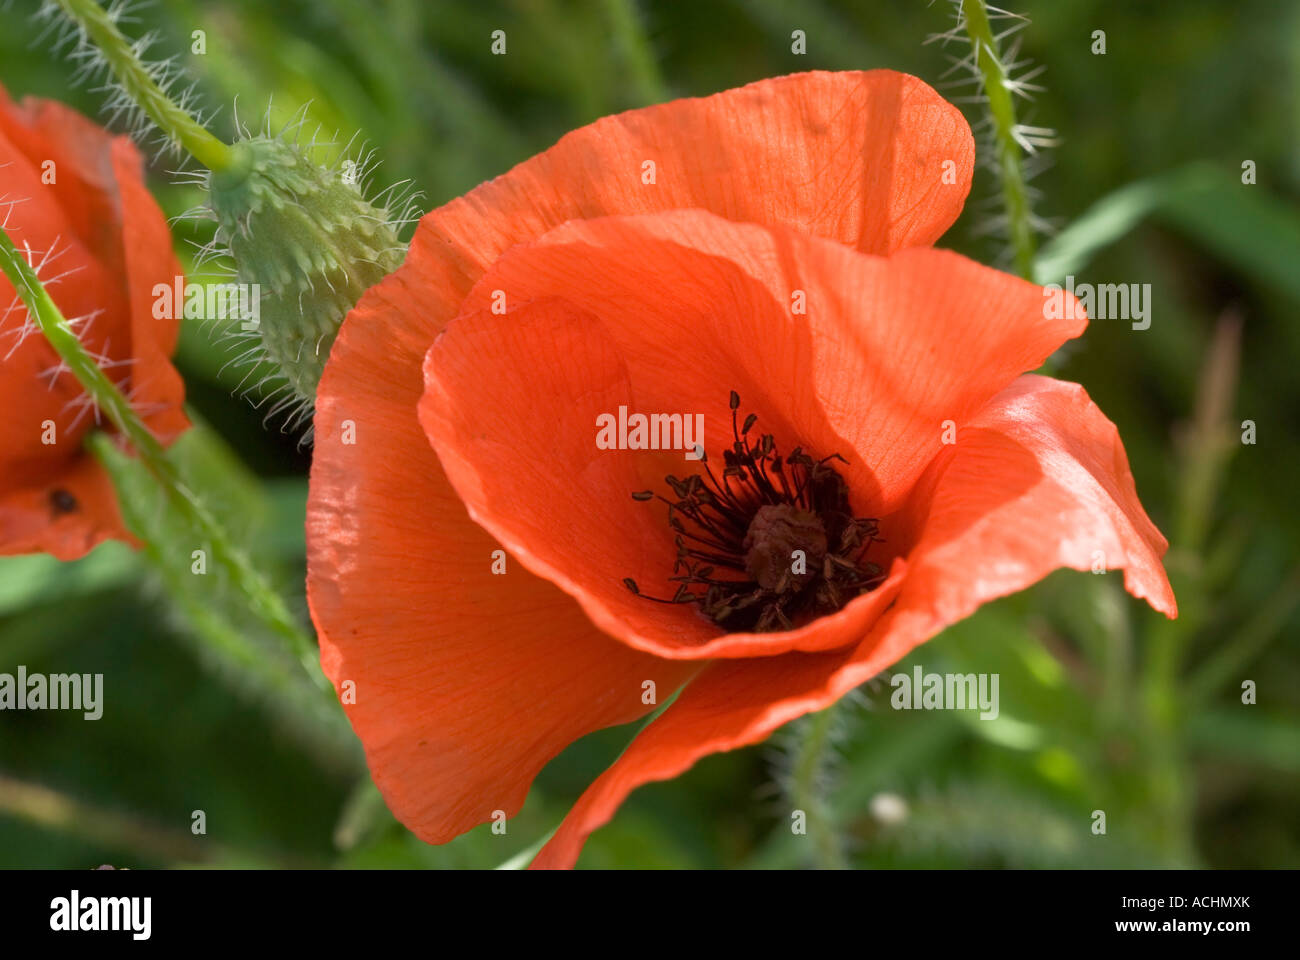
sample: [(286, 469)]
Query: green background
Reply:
[(1104, 705)]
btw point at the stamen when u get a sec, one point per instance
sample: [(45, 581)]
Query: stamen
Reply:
[(781, 527)]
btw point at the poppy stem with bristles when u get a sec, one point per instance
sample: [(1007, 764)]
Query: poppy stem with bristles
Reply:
[(814, 748), (137, 81), (263, 600), (1002, 110)]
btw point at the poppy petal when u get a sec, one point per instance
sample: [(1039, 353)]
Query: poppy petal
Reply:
[(101, 244), (121, 225), (66, 516), (876, 160), (156, 389), (1039, 481), (663, 315), (444, 653)]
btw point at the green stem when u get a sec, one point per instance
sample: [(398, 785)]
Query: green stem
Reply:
[(1168, 779), (1002, 108), (1112, 613), (228, 642), (636, 53), (134, 76), (51, 810), (1166, 697), (1211, 441), (265, 602), (1250, 640), (807, 782)]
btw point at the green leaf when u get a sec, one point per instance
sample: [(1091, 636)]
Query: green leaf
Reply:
[(1244, 735), (38, 578), (1243, 224), (229, 637)]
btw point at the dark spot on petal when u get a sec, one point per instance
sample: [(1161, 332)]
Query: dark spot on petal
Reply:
[(62, 502)]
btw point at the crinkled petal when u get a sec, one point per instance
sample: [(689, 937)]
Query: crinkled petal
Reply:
[(662, 316), (1038, 481)]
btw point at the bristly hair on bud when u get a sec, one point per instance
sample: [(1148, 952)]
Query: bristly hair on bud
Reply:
[(301, 233), (1011, 149), (297, 223)]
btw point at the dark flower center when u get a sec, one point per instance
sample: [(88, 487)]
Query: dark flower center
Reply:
[(769, 545)]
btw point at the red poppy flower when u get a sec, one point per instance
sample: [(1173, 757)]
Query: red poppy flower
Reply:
[(778, 266), (74, 195)]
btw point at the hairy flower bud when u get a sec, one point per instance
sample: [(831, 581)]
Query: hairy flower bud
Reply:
[(310, 241)]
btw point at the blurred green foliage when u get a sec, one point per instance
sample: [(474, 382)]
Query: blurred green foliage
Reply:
[(1104, 705)]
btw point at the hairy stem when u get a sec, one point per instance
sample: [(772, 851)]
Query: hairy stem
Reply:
[(135, 79), (1002, 109), (808, 775), (264, 601)]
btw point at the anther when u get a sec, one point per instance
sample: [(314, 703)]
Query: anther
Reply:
[(769, 544)]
